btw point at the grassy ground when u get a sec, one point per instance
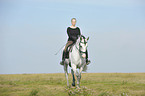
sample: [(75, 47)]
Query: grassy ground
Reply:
[(92, 84)]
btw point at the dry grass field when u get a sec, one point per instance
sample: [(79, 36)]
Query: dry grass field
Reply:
[(92, 84)]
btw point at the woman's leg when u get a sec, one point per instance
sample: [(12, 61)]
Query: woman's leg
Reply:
[(86, 55), (65, 49), (87, 61), (63, 55), (67, 44)]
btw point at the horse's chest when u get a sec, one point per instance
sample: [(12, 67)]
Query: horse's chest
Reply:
[(79, 64)]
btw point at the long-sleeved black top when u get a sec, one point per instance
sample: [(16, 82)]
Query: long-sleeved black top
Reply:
[(73, 33)]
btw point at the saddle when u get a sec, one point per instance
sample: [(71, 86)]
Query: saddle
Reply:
[(68, 50)]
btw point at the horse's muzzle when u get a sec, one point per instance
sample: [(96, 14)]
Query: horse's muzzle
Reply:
[(84, 55)]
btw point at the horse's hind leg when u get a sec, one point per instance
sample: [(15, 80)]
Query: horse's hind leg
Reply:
[(66, 73), (72, 72)]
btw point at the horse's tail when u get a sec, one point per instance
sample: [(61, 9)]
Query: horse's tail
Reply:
[(85, 68)]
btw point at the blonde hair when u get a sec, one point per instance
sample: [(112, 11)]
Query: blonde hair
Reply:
[(73, 19)]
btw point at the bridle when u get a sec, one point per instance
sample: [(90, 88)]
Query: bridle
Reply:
[(79, 47)]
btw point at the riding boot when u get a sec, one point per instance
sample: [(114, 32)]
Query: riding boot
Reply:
[(87, 61), (63, 57)]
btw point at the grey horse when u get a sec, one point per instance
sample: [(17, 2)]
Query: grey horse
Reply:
[(77, 59)]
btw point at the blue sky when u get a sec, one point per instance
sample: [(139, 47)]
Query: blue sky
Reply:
[(32, 31)]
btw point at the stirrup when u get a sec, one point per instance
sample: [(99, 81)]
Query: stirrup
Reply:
[(62, 62), (88, 62)]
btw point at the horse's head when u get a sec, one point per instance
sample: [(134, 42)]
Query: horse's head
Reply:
[(83, 44)]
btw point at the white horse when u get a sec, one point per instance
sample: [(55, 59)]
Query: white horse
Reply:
[(77, 59)]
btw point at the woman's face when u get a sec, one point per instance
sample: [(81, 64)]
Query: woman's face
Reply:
[(73, 22)]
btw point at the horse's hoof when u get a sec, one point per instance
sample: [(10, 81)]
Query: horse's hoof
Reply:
[(88, 62), (78, 87), (73, 84), (73, 87), (62, 63)]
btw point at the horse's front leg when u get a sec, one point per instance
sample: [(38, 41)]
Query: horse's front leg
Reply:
[(80, 72), (72, 72), (78, 80), (77, 75), (83, 65), (66, 73)]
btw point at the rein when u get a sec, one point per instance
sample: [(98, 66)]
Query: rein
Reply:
[(79, 49)]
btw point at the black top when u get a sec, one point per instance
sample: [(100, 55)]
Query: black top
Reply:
[(73, 33)]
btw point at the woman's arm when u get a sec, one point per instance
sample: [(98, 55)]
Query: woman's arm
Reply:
[(79, 31)]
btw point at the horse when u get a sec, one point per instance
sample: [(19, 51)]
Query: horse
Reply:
[(77, 60)]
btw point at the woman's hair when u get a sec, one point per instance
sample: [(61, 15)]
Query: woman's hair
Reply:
[(73, 19)]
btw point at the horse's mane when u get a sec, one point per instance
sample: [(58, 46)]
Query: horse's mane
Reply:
[(83, 36)]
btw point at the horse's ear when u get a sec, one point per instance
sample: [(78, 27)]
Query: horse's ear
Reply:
[(87, 38)]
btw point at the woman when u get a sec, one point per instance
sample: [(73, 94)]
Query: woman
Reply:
[(73, 33)]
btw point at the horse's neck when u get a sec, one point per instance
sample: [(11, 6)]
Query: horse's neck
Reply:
[(75, 49)]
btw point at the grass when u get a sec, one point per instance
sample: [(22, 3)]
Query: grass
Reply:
[(92, 84)]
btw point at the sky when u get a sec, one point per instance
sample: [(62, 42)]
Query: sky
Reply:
[(32, 31)]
